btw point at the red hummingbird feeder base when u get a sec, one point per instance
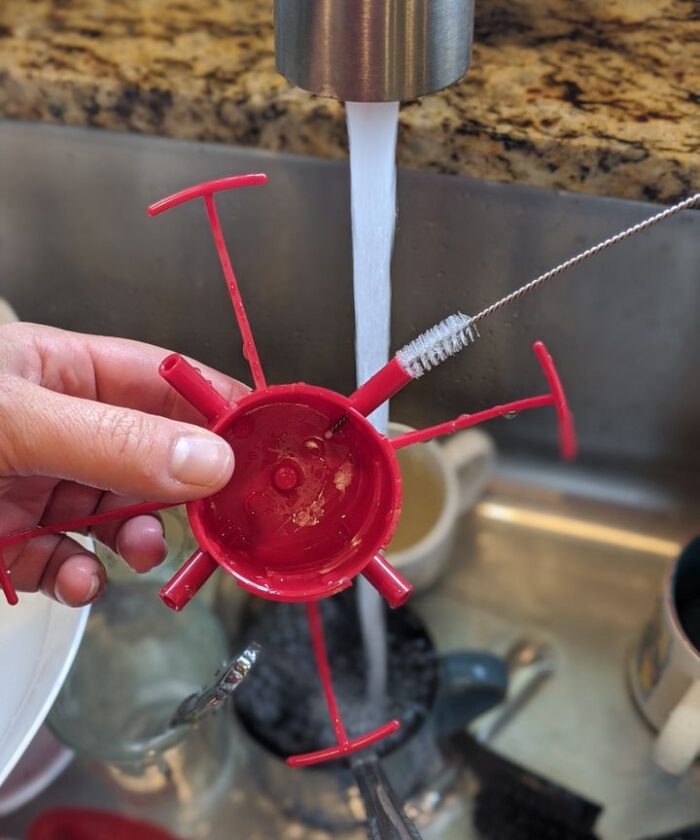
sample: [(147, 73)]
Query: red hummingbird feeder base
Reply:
[(312, 502)]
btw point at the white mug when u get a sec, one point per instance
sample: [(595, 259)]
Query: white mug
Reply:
[(440, 483), (665, 669)]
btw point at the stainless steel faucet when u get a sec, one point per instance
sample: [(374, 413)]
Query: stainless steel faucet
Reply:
[(373, 50)]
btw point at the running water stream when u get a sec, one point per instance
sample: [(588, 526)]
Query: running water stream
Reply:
[(372, 128)]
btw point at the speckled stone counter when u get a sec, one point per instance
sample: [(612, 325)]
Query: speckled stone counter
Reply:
[(598, 96)]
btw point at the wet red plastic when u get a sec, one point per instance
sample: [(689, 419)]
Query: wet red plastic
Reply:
[(206, 191), (392, 586), (206, 188), (250, 351), (305, 511), (188, 381), (91, 824), (77, 525), (344, 746), (303, 514), (341, 750), (381, 387), (556, 398), (83, 523), (8, 588), (188, 580), (567, 431)]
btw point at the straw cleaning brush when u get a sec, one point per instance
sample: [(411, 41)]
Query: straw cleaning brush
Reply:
[(458, 331)]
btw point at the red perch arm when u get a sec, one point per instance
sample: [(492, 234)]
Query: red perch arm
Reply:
[(345, 745), (394, 588), (188, 580), (206, 191), (190, 384), (385, 384), (556, 397), (80, 524)]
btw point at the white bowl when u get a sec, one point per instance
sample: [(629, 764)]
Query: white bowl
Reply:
[(39, 639), (43, 761)]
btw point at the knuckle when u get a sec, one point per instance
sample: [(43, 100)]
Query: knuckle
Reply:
[(125, 435)]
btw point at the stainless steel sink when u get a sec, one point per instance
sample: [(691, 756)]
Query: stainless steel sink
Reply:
[(77, 250), (531, 560), (573, 554), (585, 584)]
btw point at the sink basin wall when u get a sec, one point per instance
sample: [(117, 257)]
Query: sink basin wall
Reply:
[(78, 251)]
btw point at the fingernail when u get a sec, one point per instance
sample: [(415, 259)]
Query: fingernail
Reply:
[(93, 588), (204, 460)]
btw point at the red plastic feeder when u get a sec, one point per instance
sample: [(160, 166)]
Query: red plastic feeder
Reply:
[(316, 493), (304, 512)]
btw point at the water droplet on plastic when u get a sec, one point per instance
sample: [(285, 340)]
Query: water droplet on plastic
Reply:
[(511, 415)]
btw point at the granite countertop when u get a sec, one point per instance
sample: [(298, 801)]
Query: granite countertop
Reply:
[(597, 96)]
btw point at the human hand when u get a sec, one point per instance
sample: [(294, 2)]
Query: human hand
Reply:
[(87, 425)]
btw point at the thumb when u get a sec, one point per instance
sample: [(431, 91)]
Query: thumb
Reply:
[(129, 452)]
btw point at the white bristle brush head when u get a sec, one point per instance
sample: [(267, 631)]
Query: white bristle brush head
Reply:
[(437, 344)]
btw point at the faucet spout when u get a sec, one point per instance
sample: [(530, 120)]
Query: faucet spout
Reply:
[(373, 50)]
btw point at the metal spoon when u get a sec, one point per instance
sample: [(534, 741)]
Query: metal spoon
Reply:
[(220, 689), (539, 659)]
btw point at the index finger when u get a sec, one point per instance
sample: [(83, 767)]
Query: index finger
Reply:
[(117, 371)]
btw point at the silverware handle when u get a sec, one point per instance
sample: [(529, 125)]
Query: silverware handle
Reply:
[(386, 819), (511, 706)]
